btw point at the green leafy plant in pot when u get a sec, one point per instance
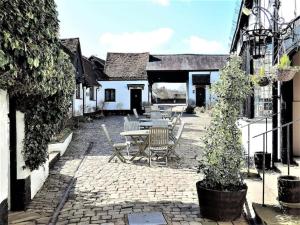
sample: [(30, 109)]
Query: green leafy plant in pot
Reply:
[(285, 71), (222, 192)]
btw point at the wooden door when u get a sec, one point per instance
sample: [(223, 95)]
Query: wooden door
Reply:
[(136, 100), (200, 96)]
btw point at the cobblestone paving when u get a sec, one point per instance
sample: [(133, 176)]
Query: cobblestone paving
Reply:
[(104, 193)]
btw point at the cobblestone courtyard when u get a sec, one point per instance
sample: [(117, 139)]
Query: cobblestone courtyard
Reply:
[(104, 193)]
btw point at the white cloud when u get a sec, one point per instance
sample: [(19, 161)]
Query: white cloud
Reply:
[(162, 2), (203, 46), (135, 41)]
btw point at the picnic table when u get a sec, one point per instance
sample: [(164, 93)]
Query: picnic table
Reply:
[(140, 138)]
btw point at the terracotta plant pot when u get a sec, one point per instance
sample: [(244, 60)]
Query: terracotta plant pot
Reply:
[(258, 160), (289, 193), (286, 74), (220, 205)]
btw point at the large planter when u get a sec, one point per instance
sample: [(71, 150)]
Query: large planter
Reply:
[(220, 205), (286, 74), (289, 192), (258, 160)]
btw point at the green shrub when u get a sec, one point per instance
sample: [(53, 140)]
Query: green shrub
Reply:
[(223, 154), (35, 71)]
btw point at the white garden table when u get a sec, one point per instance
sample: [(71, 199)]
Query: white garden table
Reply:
[(140, 138)]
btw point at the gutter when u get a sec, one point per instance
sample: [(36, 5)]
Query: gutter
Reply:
[(234, 38)]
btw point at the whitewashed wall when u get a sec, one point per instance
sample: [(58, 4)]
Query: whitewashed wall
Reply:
[(256, 144), (89, 105), (191, 90), (4, 146), (122, 94), (78, 103), (37, 177), (287, 9)]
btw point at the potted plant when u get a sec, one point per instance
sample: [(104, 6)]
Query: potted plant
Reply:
[(261, 79), (285, 71), (289, 193), (258, 160), (222, 192), (190, 109)]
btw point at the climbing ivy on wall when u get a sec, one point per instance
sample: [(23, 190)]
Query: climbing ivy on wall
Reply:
[(35, 71)]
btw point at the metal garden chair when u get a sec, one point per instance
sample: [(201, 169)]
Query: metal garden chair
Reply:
[(158, 143), (117, 147), (172, 146)]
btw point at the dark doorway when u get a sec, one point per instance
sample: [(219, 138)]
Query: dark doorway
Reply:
[(20, 189), (136, 100), (200, 96)]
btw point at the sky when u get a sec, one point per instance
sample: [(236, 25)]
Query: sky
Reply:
[(155, 26)]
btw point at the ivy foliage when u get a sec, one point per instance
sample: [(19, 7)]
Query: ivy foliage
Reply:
[(223, 153), (35, 71)]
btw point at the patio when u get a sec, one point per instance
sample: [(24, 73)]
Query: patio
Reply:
[(104, 193)]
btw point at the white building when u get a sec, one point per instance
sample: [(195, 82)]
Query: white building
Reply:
[(129, 78), (4, 159)]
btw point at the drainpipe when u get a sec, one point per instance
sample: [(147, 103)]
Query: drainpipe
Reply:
[(96, 97), (83, 102), (275, 87)]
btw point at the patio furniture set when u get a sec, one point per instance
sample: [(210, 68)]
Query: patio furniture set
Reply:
[(154, 136)]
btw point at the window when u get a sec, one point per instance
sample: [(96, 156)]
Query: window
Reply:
[(78, 91), (110, 95), (263, 95), (92, 93), (263, 101)]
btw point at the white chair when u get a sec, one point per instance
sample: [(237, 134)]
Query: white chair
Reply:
[(129, 117), (155, 115), (154, 107), (174, 122), (135, 114), (158, 143), (128, 126), (117, 147), (147, 109), (131, 125), (126, 119), (172, 146), (180, 115), (160, 123), (168, 113)]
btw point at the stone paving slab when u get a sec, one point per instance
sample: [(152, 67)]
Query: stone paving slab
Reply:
[(105, 193)]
